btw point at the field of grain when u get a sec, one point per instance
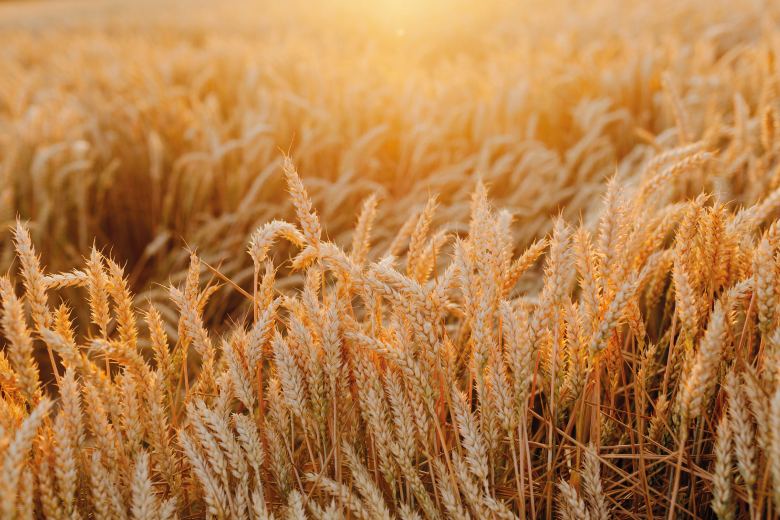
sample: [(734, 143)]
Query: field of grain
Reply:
[(390, 260)]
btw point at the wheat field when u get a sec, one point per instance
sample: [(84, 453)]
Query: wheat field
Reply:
[(399, 260)]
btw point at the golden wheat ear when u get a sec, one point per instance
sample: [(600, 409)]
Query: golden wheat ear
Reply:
[(34, 279), (16, 450), (20, 343), (722, 503), (310, 222), (361, 238)]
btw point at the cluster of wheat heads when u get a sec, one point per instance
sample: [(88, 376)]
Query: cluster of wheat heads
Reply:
[(641, 381)]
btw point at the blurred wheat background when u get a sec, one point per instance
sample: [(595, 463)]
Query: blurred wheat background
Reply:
[(146, 127), (151, 130)]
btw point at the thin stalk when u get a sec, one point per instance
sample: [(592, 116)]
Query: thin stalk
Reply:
[(530, 466), (518, 475), (677, 470)]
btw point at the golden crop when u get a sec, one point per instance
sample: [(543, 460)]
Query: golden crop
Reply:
[(526, 264)]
